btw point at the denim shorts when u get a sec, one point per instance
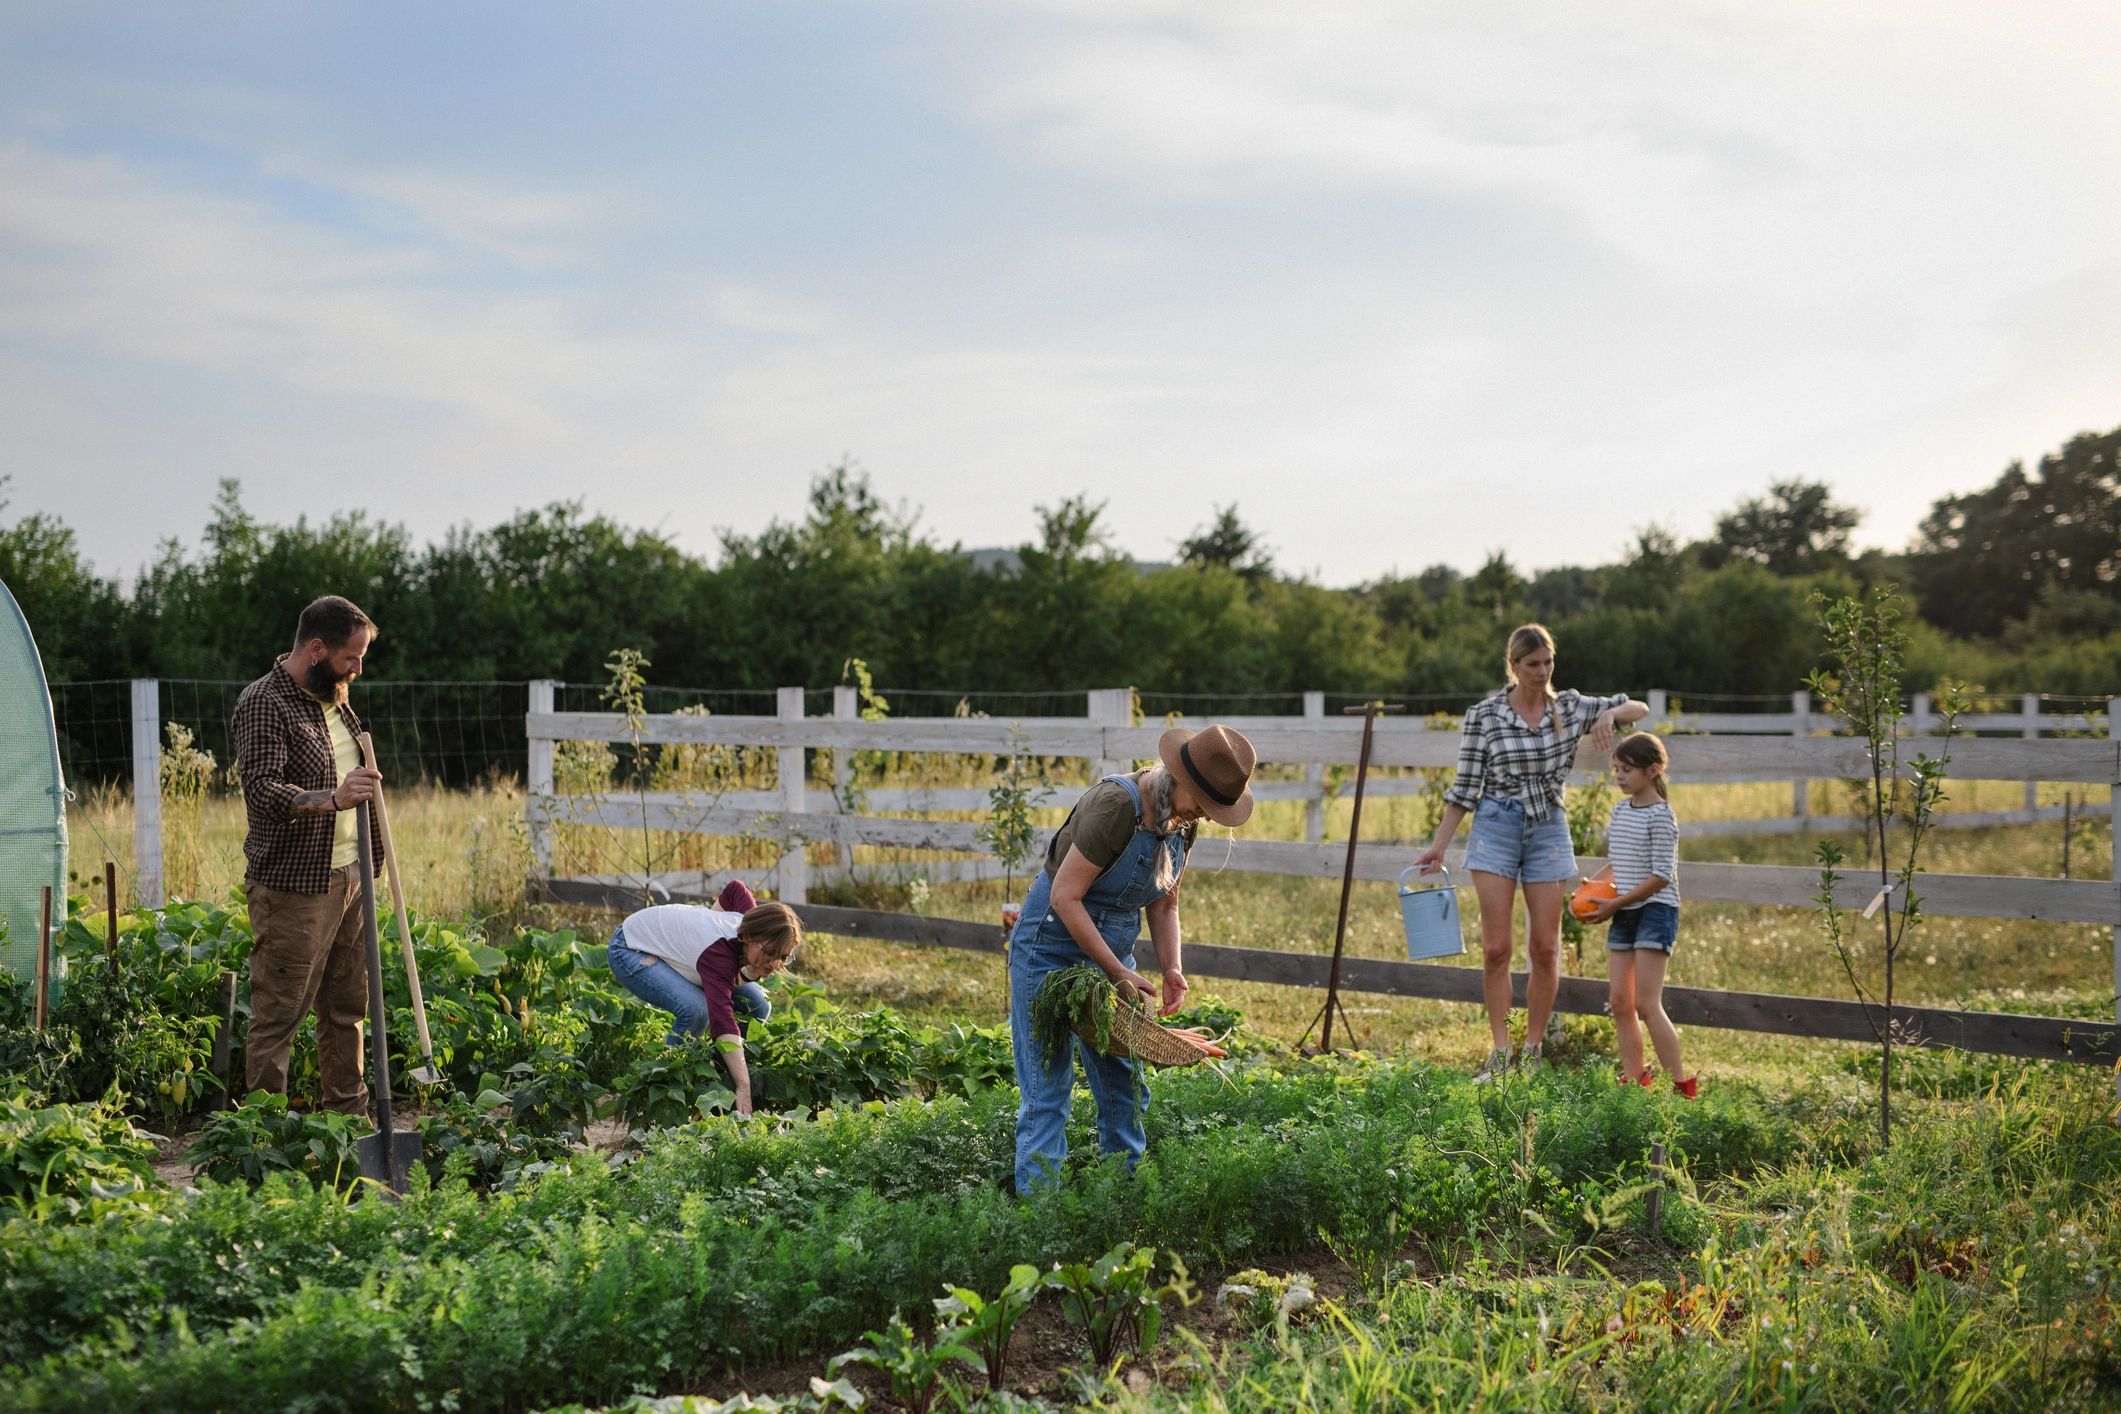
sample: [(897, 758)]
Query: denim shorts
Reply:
[(1654, 927), (1506, 841)]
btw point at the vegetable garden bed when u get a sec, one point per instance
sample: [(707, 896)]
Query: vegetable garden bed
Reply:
[(1487, 1242)]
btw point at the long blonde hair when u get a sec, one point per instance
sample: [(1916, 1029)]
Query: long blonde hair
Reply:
[(1156, 794), (1526, 640), (1642, 750)]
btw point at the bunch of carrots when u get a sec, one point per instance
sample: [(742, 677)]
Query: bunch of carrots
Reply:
[(1199, 1036)]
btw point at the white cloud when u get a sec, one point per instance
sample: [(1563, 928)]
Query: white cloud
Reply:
[(109, 258), (1816, 155)]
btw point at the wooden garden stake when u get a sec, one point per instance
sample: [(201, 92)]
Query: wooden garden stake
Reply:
[(110, 917), (1653, 1204), (44, 959), (1369, 711)]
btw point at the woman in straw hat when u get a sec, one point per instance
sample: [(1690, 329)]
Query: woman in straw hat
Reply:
[(1115, 861)]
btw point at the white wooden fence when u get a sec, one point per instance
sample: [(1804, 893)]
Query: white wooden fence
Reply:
[(1114, 708), (797, 816)]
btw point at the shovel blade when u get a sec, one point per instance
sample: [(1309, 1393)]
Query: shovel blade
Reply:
[(389, 1158)]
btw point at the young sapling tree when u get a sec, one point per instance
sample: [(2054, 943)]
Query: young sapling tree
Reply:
[(1866, 653), (1008, 830)]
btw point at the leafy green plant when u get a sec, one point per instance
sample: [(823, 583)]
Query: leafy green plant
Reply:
[(853, 795), (624, 690), (70, 1163), (676, 1086), (1866, 653), (551, 1094), (1077, 995), (962, 1060), (915, 1369), (263, 1136), (470, 1137), (108, 1034), (1008, 831), (1116, 1300), (984, 1326), (1589, 809)]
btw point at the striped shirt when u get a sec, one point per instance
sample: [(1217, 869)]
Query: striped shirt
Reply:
[(1641, 841), (1499, 755)]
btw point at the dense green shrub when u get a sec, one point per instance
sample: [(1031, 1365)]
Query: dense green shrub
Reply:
[(68, 1163), (264, 1136), (470, 1138)]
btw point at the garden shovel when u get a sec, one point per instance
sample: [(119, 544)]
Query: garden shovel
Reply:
[(425, 1074), (387, 1156)]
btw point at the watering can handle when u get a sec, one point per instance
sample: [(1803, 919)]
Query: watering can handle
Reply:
[(1411, 868)]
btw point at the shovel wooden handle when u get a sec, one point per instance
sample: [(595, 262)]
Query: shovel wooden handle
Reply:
[(397, 899)]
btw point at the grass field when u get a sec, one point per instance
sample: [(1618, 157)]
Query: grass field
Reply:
[(465, 852)]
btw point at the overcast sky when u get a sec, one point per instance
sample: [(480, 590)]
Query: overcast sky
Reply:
[(1407, 282)]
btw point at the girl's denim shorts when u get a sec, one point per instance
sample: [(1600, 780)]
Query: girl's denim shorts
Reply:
[(1505, 841), (1654, 927)]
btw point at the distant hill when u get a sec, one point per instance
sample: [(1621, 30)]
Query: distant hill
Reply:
[(1001, 561)]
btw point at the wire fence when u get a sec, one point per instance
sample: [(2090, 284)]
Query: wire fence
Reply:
[(445, 733)]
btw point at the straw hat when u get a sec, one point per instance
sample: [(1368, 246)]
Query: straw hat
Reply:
[(1216, 764)]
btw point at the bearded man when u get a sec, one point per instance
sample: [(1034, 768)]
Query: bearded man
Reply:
[(296, 747)]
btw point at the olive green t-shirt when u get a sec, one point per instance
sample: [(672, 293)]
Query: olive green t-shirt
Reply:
[(1101, 824)]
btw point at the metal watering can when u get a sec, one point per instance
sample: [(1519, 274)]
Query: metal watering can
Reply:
[(1431, 916)]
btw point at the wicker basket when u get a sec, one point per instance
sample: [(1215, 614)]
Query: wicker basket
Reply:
[(1137, 1036)]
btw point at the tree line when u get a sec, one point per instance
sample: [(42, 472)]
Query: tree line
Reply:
[(2016, 586)]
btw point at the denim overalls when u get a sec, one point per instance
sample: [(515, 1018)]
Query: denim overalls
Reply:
[(1040, 944)]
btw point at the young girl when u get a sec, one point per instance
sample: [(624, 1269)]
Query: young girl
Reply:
[(1642, 844)]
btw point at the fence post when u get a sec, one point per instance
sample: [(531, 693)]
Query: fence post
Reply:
[(1111, 707), (1801, 725), (1660, 708), (2030, 705), (1315, 775), (1920, 721), (795, 857), (846, 707), (147, 791), (2113, 737), (539, 782)]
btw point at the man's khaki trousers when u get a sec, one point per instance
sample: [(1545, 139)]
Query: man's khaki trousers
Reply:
[(309, 955)]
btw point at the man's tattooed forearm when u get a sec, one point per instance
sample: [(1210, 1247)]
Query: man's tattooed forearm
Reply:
[(314, 802)]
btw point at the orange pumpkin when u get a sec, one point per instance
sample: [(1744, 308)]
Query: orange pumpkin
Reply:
[(1592, 892)]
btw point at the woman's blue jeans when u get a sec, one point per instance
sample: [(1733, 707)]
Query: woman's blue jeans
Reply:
[(662, 986), (1048, 1089)]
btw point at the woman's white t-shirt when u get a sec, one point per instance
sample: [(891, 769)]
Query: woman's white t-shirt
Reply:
[(678, 933)]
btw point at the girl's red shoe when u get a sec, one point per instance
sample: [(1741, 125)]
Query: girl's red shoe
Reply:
[(1689, 1087), (1648, 1079)]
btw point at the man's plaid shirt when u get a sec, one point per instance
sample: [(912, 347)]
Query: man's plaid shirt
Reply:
[(283, 748), (1499, 755)]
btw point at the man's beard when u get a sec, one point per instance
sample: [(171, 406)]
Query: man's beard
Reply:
[(324, 684)]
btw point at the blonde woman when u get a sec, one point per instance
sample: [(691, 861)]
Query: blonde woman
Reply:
[(1514, 757)]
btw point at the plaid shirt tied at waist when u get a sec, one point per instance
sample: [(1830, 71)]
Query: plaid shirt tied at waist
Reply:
[(1499, 755), (283, 749)]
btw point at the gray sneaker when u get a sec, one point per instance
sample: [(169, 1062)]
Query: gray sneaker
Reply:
[(1532, 1055), (1497, 1062)]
